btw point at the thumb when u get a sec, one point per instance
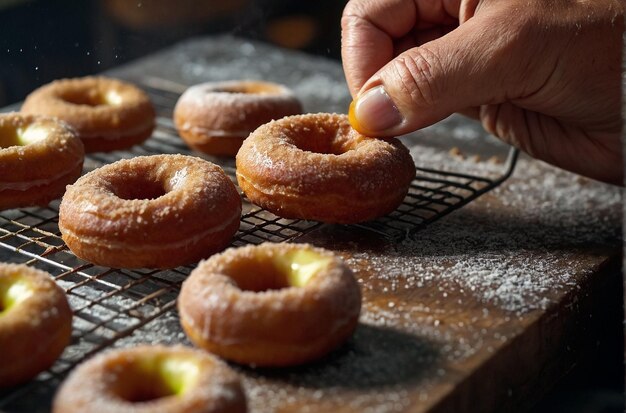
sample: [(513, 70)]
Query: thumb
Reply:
[(467, 67)]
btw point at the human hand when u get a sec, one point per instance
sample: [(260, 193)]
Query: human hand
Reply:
[(541, 75)]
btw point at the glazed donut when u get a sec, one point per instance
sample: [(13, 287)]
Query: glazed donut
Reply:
[(270, 305), (151, 379), (35, 323), (215, 118), (38, 158), (157, 211), (317, 167), (107, 114)]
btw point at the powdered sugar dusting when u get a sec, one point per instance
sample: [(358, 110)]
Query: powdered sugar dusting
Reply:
[(178, 178), (515, 248)]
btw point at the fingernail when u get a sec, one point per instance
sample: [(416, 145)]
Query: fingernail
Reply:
[(376, 112)]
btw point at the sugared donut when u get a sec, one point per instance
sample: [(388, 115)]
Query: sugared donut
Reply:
[(271, 304), (35, 322), (107, 114), (317, 167), (38, 158), (157, 211), (216, 117), (151, 379)]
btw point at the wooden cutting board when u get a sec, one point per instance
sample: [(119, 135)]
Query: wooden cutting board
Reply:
[(480, 311)]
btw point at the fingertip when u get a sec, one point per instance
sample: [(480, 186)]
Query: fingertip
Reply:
[(373, 113)]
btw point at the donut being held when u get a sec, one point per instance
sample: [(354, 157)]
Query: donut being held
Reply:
[(108, 114), (35, 323), (157, 211), (216, 117), (151, 379), (271, 304), (316, 167), (39, 156)]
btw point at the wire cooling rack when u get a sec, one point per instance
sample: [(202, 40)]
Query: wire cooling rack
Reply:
[(110, 304)]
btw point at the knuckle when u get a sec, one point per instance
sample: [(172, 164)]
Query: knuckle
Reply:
[(353, 14), (354, 18), (516, 127), (417, 76)]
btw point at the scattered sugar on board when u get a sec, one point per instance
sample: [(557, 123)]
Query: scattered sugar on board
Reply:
[(370, 373), (514, 249)]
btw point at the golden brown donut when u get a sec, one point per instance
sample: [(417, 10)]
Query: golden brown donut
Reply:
[(107, 114), (317, 167), (35, 322), (216, 117), (271, 304), (151, 379), (157, 211), (38, 157)]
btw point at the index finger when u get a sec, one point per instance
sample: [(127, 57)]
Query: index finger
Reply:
[(370, 28)]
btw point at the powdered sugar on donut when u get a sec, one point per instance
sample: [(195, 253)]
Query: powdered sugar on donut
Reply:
[(190, 210), (210, 111), (316, 167)]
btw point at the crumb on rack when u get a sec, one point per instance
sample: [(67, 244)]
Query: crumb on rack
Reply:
[(456, 152)]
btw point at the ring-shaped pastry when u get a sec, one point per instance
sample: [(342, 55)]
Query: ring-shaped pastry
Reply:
[(38, 157), (35, 322), (151, 379), (271, 304), (157, 211), (216, 117), (107, 114), (317, 167)]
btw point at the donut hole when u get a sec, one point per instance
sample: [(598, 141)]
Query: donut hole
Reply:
[(9, 136), (12, 292), (32, 134), (92, 98), (264, 272), (145, 190), (322, 139), (21, 136), (300, 266), (154, 377), (139, 186)]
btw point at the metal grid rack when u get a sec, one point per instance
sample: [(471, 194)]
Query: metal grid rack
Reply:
[(110, 304)]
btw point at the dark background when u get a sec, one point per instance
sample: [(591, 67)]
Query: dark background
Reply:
[(45, 40)]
